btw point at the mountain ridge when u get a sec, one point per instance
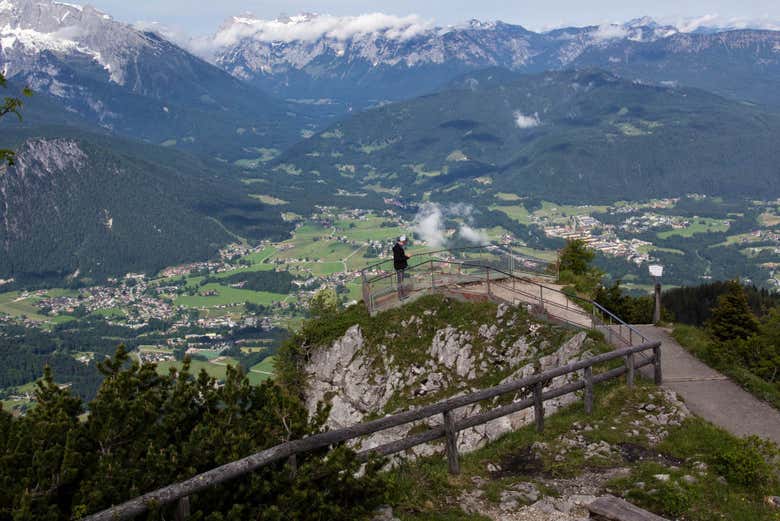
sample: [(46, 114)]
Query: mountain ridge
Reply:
[(399, 58), (99, 206), (576, 136), (136, 83)]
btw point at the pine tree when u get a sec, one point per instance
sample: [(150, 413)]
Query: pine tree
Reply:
[(732, 318), (576, 257), (146, 430)]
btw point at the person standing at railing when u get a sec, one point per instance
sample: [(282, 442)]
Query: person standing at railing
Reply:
[(400, 263)]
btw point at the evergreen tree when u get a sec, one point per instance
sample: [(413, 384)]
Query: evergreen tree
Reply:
[(576, 257), (575, 268), (732, 318), (146, 430)]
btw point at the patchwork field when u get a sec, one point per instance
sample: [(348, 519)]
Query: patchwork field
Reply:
[(698, 225), (226, 296)]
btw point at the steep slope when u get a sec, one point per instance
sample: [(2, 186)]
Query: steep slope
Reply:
[(434, 348), (571, 136), (743, 64), (96, 206), (365, 59), (135, 83)]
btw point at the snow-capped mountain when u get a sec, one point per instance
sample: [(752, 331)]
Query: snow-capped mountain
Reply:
[(129, 81), (32, 28), (373, 57)]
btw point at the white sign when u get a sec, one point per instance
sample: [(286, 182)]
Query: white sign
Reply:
[(656, 270)]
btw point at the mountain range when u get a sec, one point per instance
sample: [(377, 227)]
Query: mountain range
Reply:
[(370, 59), (322, 110), (135, 83)]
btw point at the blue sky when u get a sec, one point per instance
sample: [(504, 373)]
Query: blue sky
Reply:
[(204, 16)]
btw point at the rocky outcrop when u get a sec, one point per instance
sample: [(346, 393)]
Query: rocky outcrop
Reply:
[(361, 379)]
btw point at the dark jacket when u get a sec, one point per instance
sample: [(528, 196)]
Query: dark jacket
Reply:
[(399, 257)]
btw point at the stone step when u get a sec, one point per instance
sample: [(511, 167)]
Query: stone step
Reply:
[(611, 508)]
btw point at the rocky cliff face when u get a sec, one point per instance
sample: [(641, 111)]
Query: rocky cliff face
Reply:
[(365, 376)]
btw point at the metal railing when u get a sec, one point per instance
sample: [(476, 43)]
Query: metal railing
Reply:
[(468, 278), (506, 257), (534, 385)]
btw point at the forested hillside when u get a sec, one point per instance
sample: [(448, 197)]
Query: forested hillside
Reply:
[(582, 136), (94, 206)]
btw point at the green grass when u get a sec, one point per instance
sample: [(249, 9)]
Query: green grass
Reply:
[(260, 256), (110, 313), (266, 366), (769, 219), (423, 489), (217, 368), (269, 199), (698, 225), (12, 303), (516, 212), (501, 196), (698, 343), (227, 296)]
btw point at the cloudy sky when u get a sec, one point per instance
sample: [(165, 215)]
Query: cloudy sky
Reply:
[(204, 16)]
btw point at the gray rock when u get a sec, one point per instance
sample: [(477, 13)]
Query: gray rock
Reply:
[(662, 477), (527, 491), (689, 479), (384, 513)]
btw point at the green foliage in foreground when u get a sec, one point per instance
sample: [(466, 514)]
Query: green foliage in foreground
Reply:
[(423, 490), (146, 431), (740, 360), (13, 106), (732, 318)]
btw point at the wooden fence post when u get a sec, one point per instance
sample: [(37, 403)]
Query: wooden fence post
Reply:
[(659, 379), (630, 373), (182, 509), (292, 462), (538, 407), (452, 443), (589, 390)]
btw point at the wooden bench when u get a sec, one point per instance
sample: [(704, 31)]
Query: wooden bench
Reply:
[(611, 508)]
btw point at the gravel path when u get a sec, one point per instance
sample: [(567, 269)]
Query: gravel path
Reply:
[(710, 395)]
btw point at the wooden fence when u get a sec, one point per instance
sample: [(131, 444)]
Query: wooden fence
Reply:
[(180, 492)]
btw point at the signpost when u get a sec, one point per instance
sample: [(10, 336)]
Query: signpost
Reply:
[(656, 271)]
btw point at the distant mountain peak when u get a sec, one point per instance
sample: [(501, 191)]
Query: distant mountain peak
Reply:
[(30, 27)]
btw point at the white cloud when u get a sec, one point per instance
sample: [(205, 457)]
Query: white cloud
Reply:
[(312, 27), (429, 224), (473, 236), (715, 21), (609, 32), (526, 121)]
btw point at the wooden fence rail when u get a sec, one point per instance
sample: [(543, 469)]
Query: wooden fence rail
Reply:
[(180, 492)]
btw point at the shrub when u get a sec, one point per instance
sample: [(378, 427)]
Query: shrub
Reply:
[(746, 463)]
